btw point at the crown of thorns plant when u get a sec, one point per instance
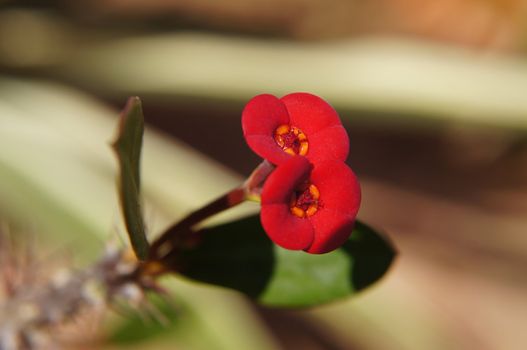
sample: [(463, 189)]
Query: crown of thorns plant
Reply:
[(309, 201)]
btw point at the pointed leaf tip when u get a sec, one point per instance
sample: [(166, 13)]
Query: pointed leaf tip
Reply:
[(127, 147)]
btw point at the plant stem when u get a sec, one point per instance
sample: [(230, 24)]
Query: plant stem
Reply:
[(180, 235), (177, 234)]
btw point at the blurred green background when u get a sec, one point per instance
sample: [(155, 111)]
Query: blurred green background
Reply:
[(433, 94)]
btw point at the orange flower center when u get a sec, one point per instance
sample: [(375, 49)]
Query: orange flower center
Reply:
[(304, 202), (291, 139)]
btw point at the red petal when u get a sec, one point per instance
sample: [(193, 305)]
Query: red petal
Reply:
[(338, 187), (263, 114), (332, 229), (285, 229), (280, 185), (310, 113), (260, 118), (329, 144), (267, 148)]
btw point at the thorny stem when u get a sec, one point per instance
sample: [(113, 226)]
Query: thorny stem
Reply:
[(31, 313), (181, 233), (117, 275)]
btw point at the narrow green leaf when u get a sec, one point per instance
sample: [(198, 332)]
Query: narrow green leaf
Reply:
[(239, 255), (127, 146)]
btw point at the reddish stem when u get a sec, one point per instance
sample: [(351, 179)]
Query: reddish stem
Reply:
[(177, 234), (181, 234)]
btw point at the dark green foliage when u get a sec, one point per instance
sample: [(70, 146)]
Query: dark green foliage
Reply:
[(239, 255)]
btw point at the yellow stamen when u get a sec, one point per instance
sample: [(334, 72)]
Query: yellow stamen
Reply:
[(291, 139), (312, 209), (304, 146), (282, 129), (298, 212), (315, 193), (305, 200), (290, 151)]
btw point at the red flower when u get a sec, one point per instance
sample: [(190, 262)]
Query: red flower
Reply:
[(310, 207), (298, 123)]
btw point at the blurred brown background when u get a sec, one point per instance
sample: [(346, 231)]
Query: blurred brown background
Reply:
[(433, 94)]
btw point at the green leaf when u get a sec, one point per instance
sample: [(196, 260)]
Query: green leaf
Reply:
[(239, 255), (128, 149)]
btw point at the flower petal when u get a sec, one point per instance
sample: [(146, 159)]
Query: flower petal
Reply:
[(331, 143), (280, 185), (260, 118), (338, 186), (263, 114), (285, 229), (331, 228), (266, 147), (310, 113)]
